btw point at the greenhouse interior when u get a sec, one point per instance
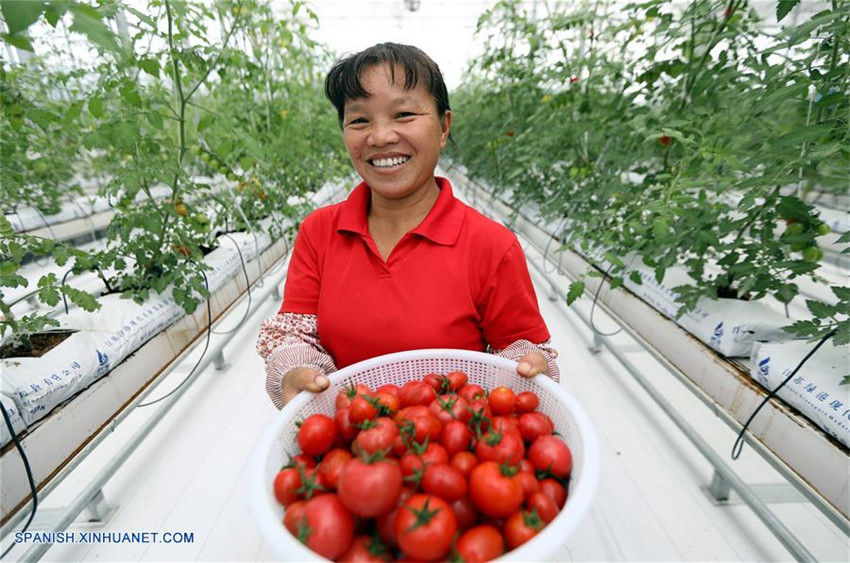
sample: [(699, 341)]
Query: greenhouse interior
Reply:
[(661, 192)]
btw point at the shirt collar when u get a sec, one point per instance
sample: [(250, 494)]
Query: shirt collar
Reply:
[(442, 224)]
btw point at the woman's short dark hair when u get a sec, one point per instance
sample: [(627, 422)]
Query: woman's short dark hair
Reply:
[(343, 80)]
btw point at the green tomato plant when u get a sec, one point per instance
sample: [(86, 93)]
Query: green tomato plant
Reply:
[(687, 134), (199, 117)]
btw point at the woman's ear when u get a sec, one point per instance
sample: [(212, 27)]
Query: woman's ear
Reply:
[(446, 126)]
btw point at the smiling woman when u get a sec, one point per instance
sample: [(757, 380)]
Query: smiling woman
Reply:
[(401, 264)]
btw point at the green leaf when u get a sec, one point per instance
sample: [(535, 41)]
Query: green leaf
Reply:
[(784, 7), (635, 277), (20, 15), (614, 259), (843, 293), (842, 334), (576, 290), (150, 66), (145, 18), (80, 298), (54, 12), (846, 379), (73, 112), (13, 280), (206, 120), (19, 41), (821, 310), (87, 21), (47, 290), (659, 273), (96, 107), (791, 207)]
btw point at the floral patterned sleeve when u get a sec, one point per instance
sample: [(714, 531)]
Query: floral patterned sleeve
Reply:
[(520, 348), (288, 341)]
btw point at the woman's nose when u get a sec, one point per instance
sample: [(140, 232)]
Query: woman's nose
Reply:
[(383, 133)]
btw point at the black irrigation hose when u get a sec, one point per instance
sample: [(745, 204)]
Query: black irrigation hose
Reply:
[(739, 442), (248, 289), (593, 308), (26, 461), (549, 243), (204, 353)]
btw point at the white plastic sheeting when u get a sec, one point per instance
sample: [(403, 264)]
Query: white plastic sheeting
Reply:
[(815, 389)]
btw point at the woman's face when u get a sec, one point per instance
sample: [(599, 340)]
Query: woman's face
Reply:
[(394, 136)]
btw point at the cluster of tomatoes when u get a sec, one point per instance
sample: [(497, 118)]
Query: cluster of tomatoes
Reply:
[(435, 469)]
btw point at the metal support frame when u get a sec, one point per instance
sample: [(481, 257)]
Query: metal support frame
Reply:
[(725, 478)]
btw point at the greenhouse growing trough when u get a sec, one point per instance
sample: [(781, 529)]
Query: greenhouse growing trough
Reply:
[(425, 280)]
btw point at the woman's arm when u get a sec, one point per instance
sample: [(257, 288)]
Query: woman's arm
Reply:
[(286, 342)]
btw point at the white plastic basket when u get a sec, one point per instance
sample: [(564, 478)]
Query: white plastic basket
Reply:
[(489, 371)]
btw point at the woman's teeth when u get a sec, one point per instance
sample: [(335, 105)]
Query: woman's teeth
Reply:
[(387, 162)]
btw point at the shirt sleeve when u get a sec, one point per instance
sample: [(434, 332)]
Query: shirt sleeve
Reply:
[(304, 276), (288, 341), (520, 348), (509, 310)]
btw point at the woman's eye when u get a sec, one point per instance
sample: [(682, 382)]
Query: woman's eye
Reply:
[(403, 114), (357, 121)]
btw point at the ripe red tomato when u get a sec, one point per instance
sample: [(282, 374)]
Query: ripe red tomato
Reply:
[(465, 462), (449, 407), (471, 392), (437, 382), (344, 429), (554, 490), (331, 467), (308, 462), (416, 393), (465, 513), (366, 549), (388, 403), (421, 457), (521, 527), (385, 523), (326, 526), (377, 436), (390, 388), (532, 425), (457, 379), (501, 447), (495, 491), (362, 409), (344, 397), (455, 437), (370, 489), (530, 484), (316, 434), (479, 416), (286, 485), (502, 401), (421, 428), (425, 527), (479, 544), (551, 454), (544, 504), (444, 481), (293, 515), (526, 402)]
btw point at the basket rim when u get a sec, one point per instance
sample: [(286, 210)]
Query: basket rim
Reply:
[(578, 503)]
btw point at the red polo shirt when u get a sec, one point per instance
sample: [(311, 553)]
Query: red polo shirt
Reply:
[(458, 280)]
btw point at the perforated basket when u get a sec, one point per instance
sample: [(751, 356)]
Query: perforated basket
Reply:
[(489, 371)]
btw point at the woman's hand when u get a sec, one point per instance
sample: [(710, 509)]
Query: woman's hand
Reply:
[(302, 379), (532, 364)]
